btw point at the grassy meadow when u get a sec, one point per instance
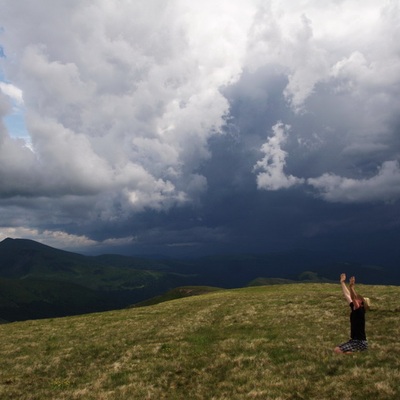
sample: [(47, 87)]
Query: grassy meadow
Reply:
[(266, 342)]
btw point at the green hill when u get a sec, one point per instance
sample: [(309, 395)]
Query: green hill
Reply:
[(266, 342), (26, 259), (38, 281), (26, 299)]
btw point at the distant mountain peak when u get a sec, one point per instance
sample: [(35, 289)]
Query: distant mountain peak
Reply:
[(19, 243)]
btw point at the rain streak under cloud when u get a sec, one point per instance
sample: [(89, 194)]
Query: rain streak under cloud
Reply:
[(245, 125)]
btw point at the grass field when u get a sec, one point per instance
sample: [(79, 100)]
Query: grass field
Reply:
[(267, 342)]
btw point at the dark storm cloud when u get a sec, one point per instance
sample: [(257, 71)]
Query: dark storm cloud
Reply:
[(200, 127)]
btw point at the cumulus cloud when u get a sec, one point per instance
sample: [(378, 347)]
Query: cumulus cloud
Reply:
[(272, 175), (342, 76), (123, 101), (123, 106), (384, 186), (12, 91)]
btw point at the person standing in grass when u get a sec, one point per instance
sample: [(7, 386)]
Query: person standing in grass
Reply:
[(359, 305)]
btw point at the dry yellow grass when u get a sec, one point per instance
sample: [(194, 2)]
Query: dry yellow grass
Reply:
[(270, 342)]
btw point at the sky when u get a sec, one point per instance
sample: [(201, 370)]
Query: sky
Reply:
[(193, 128)]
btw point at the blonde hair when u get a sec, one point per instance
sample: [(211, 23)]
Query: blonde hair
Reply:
[(367, 303)]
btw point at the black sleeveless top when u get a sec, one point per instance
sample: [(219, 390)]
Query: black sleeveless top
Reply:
[(357, 323)]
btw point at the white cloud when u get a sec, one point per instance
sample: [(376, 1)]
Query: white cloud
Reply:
[(315, 41), (273, 163), (346, 60), (384, 186), (13, 92), (12, 111), (119, 95), (62, 240), (122, 99)]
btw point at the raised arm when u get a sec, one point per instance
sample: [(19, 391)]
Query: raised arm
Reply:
[(353, 294), (346, 293)]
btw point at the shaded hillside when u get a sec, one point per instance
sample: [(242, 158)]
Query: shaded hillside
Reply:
[(261, 343), (47, 282), (21, 258), (113, 281), (22, 299)]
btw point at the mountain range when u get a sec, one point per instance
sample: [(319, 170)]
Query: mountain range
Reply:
[(39, 281)]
